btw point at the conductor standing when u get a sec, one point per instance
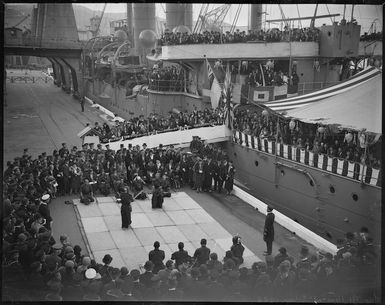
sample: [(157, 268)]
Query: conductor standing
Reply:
[(126, 208), (268, 231)]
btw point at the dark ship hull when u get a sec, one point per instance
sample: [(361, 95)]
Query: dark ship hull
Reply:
[(327, 203)]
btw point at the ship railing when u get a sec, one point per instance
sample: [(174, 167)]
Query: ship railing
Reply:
[(167, 85), (156, 132), (309, 87), (342, 167)]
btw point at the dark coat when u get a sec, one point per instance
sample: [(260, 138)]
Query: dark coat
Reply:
[(157, 256), (180, 257), (268, 231), (202, 255)]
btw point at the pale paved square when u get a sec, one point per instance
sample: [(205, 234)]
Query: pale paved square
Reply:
[(125, 239), (160, 218), (105, 199), (109, 208), (180, 220), (180, 217), (200, 216), (91, 210), (113, 222), (94, 224), (214, 230), (141, 221), (133, 257), (192, 232), (171, 234), (170, 204), (136, 207), (101, 241), (187, 203), (147, 236)]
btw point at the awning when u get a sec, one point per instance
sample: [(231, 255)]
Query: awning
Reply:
[(312, 98), (359, 108)]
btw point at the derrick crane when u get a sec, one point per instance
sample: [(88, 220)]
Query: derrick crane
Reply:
[(208, 18), (96, 31), (21, 21), (238, 12)]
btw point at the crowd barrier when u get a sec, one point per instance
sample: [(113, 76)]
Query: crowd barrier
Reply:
[(343, 167)]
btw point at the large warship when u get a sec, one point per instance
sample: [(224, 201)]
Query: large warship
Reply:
[(328, 195)]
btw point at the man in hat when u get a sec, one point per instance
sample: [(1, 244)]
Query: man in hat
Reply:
[(44, 211), (268, 230), (280, 257), (126, 209), (64, 150)]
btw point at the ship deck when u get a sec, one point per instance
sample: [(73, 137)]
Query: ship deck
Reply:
[(41, 116)]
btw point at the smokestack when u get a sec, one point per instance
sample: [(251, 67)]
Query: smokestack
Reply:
[(178, 14), (129, 22), (255, 17), (143, 15)]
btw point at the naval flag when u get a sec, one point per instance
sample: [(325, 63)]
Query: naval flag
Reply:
[(215, 88), (229, 114)]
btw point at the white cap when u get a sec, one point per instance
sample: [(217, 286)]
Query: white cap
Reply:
[(90, 273), (45, 197)]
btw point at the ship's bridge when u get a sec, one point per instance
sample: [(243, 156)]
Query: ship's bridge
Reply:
[(240, 51)]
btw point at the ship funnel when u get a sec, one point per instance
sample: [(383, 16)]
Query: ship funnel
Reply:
[(143, 15), (255, 17), (179, 14)]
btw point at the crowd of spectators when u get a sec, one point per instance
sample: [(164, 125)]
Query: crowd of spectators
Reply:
[(331, 142), (140, 126), (166, 79), (36, 267), (371, 36), (216, 37)]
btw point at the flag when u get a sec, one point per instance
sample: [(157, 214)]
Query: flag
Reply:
[(229, 114), (215, 87)]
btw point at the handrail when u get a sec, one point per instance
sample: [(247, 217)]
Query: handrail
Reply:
[(342, 167)]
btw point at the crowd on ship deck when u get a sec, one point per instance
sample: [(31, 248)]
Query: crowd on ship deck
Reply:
[(139, 126), (371, 36), (166, 79), (37, 267), (334, 143), (216, 37)]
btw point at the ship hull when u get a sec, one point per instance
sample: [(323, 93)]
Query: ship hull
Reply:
[(330, 205)]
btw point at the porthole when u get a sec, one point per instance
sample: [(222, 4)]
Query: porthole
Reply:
[(355, 197), (332, 189), (256, 163), (282, 172), (311, 182)]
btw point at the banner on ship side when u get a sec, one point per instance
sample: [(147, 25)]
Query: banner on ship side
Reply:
[(262, 94)]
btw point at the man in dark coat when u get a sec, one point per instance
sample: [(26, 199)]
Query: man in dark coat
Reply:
[(202, 254), (181, 256), (268, 231), (86, 193), (157, 256), (126, 208), (157, 197)]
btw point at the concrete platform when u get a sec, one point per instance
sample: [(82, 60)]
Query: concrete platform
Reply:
[(181, 219)]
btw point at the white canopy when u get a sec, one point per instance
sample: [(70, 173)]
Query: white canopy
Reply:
[(358, 108)]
